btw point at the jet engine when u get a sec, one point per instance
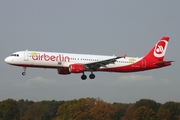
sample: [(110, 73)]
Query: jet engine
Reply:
[(76, 68)]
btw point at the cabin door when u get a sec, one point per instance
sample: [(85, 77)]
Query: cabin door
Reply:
[(26, 56), (143, 63)]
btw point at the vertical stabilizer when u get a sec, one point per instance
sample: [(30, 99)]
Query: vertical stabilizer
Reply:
[(158, 51)]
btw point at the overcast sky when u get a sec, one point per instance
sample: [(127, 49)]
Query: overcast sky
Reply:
[(93, 27)]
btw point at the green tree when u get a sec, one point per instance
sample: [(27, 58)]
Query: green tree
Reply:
[(86, 109), (102, 110), (45, 116), (76, 109), (164, 114), (43, 110), (22, 106), (148, 103), (121, 110), (9, 110), (174, 109), (144, 113), (129, 113)]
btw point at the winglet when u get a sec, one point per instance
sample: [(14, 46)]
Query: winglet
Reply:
[(124, 56)]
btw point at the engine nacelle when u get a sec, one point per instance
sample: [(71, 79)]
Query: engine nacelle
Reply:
[(63, 70), (76, 68)]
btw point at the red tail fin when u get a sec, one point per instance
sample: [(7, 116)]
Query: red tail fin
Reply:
[(158, 51)]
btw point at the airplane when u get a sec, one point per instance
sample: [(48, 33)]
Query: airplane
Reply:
[(67, 63)]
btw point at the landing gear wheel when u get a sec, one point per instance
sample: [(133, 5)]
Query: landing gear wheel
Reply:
[(83, 77), (23, 73), (91, 76)]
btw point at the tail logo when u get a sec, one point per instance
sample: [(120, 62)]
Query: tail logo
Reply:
[(160, 48)]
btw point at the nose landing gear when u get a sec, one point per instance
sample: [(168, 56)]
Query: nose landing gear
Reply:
[(24, 73)]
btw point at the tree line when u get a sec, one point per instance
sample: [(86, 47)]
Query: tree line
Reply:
[(88, 109)]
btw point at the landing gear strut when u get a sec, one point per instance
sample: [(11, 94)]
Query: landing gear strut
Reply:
[(24, 73)]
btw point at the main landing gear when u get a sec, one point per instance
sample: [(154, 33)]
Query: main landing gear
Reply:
[(83, 77), (91, 76), (24, 73)]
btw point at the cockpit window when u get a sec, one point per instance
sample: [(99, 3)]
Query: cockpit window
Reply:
[(16, 55)]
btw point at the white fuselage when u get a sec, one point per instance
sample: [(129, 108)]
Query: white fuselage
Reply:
[(56, 60)]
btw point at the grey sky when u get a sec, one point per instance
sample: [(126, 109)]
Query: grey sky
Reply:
[(95, 27)]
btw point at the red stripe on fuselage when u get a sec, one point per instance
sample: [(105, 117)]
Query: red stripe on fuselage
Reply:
[(138, 66)]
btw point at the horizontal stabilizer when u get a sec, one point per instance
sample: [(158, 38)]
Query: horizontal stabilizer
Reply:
[(162, 63)]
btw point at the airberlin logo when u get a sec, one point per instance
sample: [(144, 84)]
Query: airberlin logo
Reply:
[(45, 57), (160, 48)]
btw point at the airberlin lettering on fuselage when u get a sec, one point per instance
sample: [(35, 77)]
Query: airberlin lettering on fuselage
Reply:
[(58, 58)]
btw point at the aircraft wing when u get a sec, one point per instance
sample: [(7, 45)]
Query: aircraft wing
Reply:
[(96, 65)]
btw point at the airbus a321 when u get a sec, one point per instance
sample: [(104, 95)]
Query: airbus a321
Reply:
[(67, 63)]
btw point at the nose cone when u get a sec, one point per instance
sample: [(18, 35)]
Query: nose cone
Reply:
[(8, 60)]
